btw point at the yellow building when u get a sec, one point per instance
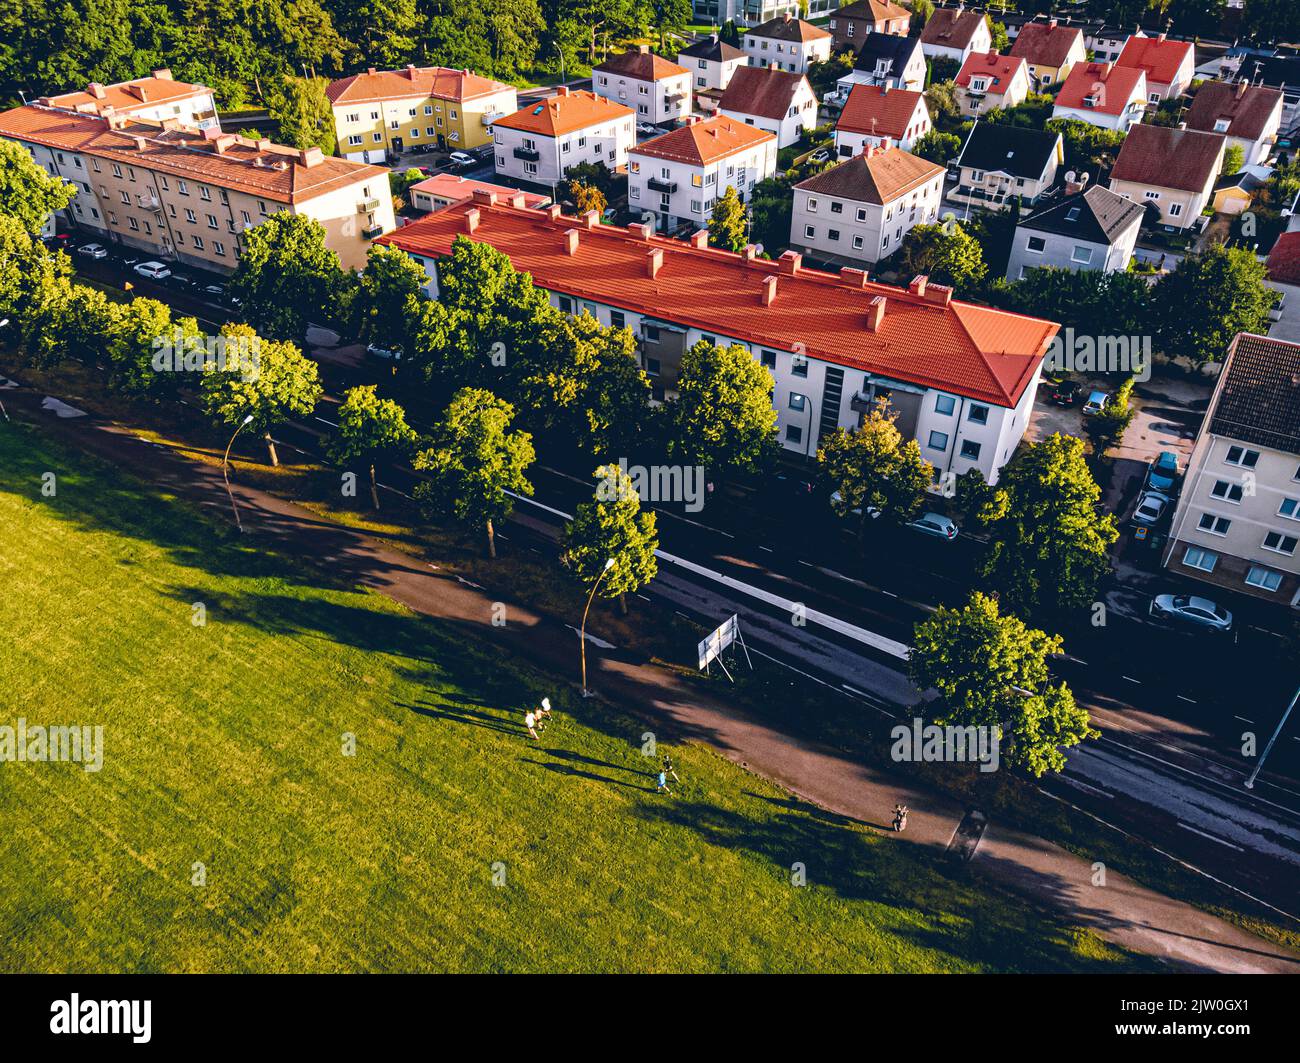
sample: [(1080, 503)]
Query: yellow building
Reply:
[(382, 113)]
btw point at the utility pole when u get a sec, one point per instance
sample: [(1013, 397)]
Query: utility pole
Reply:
[(1250, 783)]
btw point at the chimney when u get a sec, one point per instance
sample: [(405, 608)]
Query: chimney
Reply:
[(643, 230), (563, 90), (590, 218), (410, 71), (875, 313), (485, 196), (164, 74), (370, 70), (310, 157), (700, 238), (788, 16), (518, 201), (992, 56), (570, 241), (772, 65), (472, 217), (174, 123), (1241, 89), (654, 261), (939, 294), (713, 38), (750, 253), (263, 144), (225, 142), (917, 287), (96, 90), (139, 142), (1051, 24), (769, 290), (1160, 37), (853, 278), (143, 92), (553, 211), (644, 49), (789, 262), (695, 119)]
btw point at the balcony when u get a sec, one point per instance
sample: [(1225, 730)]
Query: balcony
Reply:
[(367, 205), (657, 184), (148, 200), (527, 154), (673, 97), (488, 117), (370, 232)]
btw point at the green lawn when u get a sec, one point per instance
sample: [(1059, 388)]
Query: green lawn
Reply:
[(223, 746)]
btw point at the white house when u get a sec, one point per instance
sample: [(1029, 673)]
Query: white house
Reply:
[(791, 43), (658, 91), (1248, 115), (538, 143), (1087, 229), (886, 59), (1001, 164), (1102, 94), (953, 33), (711, 62), (860, 210), (988, 80), (680, 175), (777, 101), (879, 116)]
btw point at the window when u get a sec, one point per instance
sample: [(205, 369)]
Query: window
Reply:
[(862, 214), (1175, 209), (566, 304), (970, 449), (978, 414), (1198, 557), (1263, 578), (1081, 254), (793, 433), (133, 223), (1036, 245), (218, 247), (198, 242), (857, 243), (797, 401), (1148, 194), (212, 221), (1290, 507), (768, 359), (1279, 543), (1227, 491), (837, 207), (799, 365), (1241, 456), (1214, 525), (651, 333), (652, 366), (833, 234), (938, 440), (191, 217), (617, 319), (944, 404), (205, 193)]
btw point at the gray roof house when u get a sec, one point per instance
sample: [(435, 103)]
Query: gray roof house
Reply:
[(1090, 229)]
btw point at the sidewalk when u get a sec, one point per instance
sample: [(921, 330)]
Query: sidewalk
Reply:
[(1054, 879)]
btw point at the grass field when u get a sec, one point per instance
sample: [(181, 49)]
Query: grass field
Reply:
[(223, 746)]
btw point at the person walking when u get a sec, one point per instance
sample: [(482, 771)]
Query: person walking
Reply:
[(530, 722), (668, 768), (662, 788), (544, 714)]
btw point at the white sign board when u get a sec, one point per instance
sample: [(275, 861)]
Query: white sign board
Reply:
[(717, 640)]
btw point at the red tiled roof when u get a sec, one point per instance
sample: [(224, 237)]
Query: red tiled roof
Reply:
[(874, 110), (259, 168), (999, 69), (988, 355), (1046, 43), (872, 10), (1248, 108), (562, 114), (1284, 259), (762, 91), (704, 142), (788, 28), (951, 28), (640, 66), (439, 82), (877, 176), (1113, 86), (128, 96), (457, 189), (1169, 158), (1158, 57)]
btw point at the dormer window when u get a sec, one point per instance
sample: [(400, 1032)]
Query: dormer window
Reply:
[(1221, 125)]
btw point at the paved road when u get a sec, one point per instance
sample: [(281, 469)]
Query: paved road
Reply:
[(1126, 913)]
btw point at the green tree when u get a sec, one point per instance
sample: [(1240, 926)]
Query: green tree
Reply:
[(140, 333), (937, 147), (998, 31), (1088, 148), (946, 253), (990, 670), (943, 69), (27, 192), (586, 197), (1106, 429), (1210, 297), (1234, 158), (941, 99), (723, 417), (981, 504), (36, 293), (771, 208), (1030, 113), (824, 75), (287, 278), (1050, 549), (875, 468), (728, 223), (474, 461), (612, 526), (266, 380), (386, 306), (1081, 299), (370, 430), (304, 114)]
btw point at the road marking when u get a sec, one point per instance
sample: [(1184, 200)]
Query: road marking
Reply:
[(1243, 719), (468, 583), (890, 593), (822, 682), (1182, 697), (1085, 786), (601, 643), (1211, 837), (1131, 679), (768, 549), (323, 421), (643, 597)]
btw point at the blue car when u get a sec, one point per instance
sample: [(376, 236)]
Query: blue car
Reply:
[(1163, 472)]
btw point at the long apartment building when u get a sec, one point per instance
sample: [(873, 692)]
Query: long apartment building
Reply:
[(961, 377), (155, 98), (382, 113), (188, 196)]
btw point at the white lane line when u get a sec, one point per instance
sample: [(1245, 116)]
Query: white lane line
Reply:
[(1211, 837), (768, 549), (643, 597), (1131, 679), (468, 583), (323, 421), (1182, 697), (890, 593), (1243, 719), (1085, 786), (394, 490)]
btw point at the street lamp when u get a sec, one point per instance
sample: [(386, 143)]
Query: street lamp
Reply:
[(225, 469), (582, 632), (3, 323), (1250, 783)]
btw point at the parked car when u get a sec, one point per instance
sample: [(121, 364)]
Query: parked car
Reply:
[(1064, 392), (1096, 403), (1150, 508), (93, 251), (154, 270), (183, 281), (935, 524), (1199, 613), (646, 128), (1162, 473), (462, 159), (820, 155), (384, 354)]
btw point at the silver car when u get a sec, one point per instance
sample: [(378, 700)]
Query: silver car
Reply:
[(1199, 613), (1150, 508), (935, 524), (93, 251)]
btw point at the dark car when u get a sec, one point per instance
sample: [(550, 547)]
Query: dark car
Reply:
[(1064, 392)]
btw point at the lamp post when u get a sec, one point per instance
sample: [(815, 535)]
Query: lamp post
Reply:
[(582, 632), (2, 405), (225, 469), (1250, 783)]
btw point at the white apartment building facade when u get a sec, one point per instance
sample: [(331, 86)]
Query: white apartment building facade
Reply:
[(537, 144)]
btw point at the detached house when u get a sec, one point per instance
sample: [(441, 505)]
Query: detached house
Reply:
[(712, 62), (1248, 115), (790, 43), (1169, 65), (1237, 524), (961, 378), (1051, 50), (988, 80), (887, 60), (155, 98), (1174, 169), (953, 33), (1001, 164), (774, 100), (658, 91), (538, 143), (859, 210), (1102, 94), (1093, 229), (679, 175), (880, 117), (852, 23)]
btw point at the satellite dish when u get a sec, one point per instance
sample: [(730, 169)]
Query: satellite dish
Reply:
[(1070, 177)]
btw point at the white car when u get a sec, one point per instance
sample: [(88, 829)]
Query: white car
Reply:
[(461, 158), (646, 128), (1150, 508), (93, 251), (154, 270), (1200, 613)]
